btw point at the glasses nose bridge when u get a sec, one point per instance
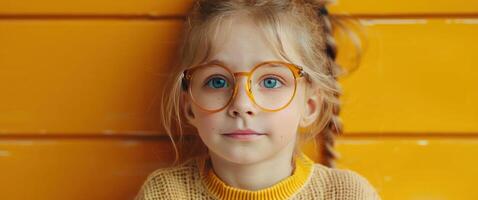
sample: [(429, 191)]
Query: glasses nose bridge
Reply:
[(238, 74), (247, 89)]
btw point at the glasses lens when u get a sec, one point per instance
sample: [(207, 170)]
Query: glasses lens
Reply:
[(272, 85), (211, 87)]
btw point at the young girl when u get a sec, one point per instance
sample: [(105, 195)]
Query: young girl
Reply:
[(256, 80)]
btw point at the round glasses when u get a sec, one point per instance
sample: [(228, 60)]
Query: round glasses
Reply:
[(270, 85)]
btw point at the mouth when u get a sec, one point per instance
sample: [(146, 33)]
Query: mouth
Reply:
[(244, 135), (245, 132)]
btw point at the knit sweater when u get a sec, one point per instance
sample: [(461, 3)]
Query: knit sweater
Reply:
[(195, 179)]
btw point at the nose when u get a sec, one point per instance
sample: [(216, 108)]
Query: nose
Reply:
[(241, 104)]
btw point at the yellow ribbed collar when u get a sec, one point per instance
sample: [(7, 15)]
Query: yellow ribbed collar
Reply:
[(282, 190)]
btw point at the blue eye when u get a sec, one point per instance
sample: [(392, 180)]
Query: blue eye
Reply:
[(217, 83), (272, 83)]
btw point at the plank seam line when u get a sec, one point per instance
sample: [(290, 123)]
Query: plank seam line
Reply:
[(147, 16)]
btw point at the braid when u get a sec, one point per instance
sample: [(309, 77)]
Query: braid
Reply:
[(326, 138)]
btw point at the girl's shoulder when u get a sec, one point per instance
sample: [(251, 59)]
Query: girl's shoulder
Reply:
[(185, 169), (170, 182), (341, 183)]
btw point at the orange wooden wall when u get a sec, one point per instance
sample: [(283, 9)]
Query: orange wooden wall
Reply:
[(79, 82)]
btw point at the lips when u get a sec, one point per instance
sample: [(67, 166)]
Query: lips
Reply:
[(244, 132), (246, 135)]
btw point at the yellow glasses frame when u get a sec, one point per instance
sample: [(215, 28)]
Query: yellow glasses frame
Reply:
[(297, 71)]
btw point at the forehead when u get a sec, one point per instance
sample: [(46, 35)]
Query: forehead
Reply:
[(240, 43)]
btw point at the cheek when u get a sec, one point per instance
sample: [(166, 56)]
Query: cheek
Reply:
[(284, 123), (207, 122)]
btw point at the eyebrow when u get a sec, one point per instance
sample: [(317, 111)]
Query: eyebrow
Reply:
[(215, 61), (219, 62)]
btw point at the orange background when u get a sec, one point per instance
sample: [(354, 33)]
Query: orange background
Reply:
[(79, 82)]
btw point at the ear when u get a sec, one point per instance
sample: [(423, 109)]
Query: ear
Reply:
[(187, 109), (311, 110)]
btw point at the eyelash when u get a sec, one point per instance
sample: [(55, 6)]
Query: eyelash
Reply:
[(275, 77), (212, 77)]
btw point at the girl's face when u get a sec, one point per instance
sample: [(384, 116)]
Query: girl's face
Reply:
[(240, 48)]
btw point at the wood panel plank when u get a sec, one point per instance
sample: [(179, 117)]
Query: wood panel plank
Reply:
[(78, 168), (405, 8), (417, 76), (415, 167), (83, 76), (91, 7), (103, 76), (398, 167), (180, 7)]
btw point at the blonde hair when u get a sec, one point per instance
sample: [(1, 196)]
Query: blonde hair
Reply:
[(313, 40)]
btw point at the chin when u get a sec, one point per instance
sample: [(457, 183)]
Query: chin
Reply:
[(243, 158)]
